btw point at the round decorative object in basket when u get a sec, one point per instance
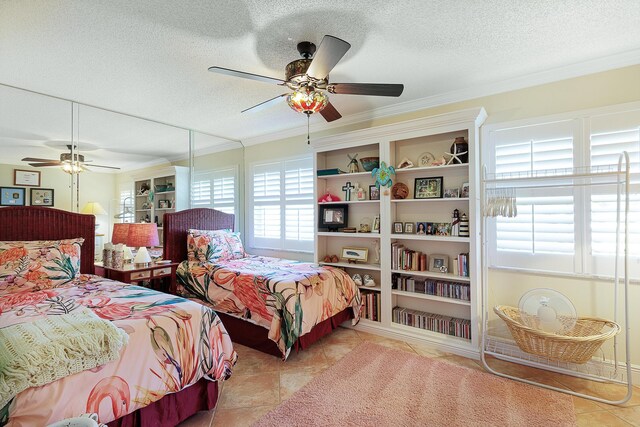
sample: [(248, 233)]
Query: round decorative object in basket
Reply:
[(576, 346)]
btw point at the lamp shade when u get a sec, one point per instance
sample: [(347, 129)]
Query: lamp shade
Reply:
[(120, 233), (93, 208), (307, 102), (143, 234)]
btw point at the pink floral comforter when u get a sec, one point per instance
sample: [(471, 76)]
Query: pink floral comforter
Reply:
[(173, 342), (287, 297)]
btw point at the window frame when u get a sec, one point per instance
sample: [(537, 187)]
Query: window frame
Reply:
[(281, 244), (585, 263)]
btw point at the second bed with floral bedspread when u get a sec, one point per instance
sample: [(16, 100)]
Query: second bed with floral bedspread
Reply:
[(286, 297)]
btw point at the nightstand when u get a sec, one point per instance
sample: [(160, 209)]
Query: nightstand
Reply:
[(162, 277)]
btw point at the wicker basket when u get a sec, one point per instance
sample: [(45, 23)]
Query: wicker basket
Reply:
[(577, 346)]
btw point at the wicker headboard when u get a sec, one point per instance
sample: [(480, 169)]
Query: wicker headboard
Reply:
[(39, 223), (176, 225)]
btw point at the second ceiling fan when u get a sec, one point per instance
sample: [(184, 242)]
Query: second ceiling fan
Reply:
[(309, 79)]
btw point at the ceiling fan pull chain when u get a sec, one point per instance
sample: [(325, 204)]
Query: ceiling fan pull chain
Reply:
[(308, 141)]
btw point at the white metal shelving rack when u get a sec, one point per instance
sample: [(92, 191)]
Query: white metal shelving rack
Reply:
[(505, 349)]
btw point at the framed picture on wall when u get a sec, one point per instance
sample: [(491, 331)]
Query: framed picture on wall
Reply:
[(41, 197), (26, 178), (11, 196)]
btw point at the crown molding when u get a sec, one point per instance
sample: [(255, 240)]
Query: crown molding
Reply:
[(593, 66)]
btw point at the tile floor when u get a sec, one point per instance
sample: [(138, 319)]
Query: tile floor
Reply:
[(260, 382)]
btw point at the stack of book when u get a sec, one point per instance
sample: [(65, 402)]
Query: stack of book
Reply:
[(461, 265), (433, 322), (406, 259), (370, 305), (437, 287)]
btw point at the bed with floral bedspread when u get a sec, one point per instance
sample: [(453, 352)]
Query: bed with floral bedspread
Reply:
[(286, 297), (173, 343)]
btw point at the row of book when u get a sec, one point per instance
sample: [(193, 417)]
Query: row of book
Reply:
[(406, 259), (370, 305), (433, 322), (437, 287)]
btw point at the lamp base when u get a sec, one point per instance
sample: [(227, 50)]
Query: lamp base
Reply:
[(142, 257)]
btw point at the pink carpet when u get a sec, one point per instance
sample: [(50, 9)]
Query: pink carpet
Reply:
[(378, 386)]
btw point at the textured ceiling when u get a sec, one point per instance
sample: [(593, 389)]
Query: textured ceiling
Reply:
[(150, 58)]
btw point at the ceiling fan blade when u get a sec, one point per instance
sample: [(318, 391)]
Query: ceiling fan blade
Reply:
[(376, 89), (265, 104), (330, 52), (51, 163), (100, 166), (33, 159), (250, 76), (330, 113)]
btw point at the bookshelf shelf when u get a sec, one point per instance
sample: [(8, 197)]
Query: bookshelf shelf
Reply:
[(431, 238), (392, 144), (429, 169), (432, 274), (350, 202), (354, 235), (430, 297), (372, 267), (447, 199), (371, 288)]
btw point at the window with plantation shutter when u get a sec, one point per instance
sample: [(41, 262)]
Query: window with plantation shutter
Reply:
[(564, 228), (215, 189), (282, 208)]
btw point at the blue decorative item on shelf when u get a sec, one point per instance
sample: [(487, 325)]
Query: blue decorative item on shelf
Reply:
[(370, 163), (383, 174)]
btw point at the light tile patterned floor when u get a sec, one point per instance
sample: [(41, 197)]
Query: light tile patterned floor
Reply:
[(260, 382)]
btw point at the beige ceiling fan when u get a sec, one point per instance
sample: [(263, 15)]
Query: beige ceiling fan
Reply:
[(308, 78), (70, 162)]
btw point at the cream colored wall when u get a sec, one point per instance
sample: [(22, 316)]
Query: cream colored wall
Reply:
[(94, 187)]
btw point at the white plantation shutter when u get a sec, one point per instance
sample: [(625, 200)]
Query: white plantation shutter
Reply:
[(565, 229), (215, 189), (283, 205), (544, 227)]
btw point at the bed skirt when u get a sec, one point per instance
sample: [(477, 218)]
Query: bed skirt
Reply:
[(173, 408), (256, 337)]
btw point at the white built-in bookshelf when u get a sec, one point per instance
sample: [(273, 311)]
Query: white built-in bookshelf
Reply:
[(439, 307)]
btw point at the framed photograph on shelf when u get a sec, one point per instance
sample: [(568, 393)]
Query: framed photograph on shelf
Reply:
[(333, 217), (26, 178), (421, 228), (465, 190), (374, 193), (442, 229), (451, 193), (11, 196), (430, 228), (439, 263), (376, 224), (428, 188), (41, 197), (355, 254), (408, 228), (397, 228)]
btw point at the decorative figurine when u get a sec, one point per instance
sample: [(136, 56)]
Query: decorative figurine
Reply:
[(360, 194), (464, 226), (455, 223), (353, 164), (383, 175), (347, 188), (328, 197), (376, 250), (405, 164), (459, 151)]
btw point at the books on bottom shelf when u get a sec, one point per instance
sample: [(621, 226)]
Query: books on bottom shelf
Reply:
[(370, 305), (428, 286), (433, 322)]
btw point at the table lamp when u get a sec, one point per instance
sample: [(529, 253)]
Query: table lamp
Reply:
[(121, 235), (143, 235), (93, 208)]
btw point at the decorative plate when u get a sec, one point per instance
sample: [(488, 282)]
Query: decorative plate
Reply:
[(425, 159), (399, 190)]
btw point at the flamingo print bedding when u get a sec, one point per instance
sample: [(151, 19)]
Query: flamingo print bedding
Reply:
[(286, 297), (173, 342)]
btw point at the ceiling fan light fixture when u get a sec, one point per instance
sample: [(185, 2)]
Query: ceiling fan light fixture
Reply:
[(72, 168), (307, 101)]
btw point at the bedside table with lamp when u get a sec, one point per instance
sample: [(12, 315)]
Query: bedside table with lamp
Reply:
[(142, 269)]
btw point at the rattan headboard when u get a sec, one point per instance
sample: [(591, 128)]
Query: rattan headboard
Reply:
[(39, 223), (176, 225)]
